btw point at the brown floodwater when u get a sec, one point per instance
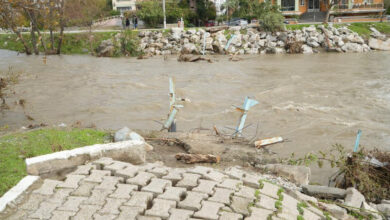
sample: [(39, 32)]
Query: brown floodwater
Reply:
[(314, 101)]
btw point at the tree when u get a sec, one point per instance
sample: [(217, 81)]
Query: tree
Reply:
[(150, 12), (386, 4), (205, 10), (329, 4), (231, 6), (84, 12), (270, 16), (11, 16)]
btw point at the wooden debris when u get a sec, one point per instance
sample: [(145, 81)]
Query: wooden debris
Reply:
[(198, 158), (192, 58), (216, 131), (265, 142)]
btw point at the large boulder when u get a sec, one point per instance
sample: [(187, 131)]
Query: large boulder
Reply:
[(352, 47), (189, 48), (378, 44), (306, 49), (106, 49), (297, 174), (376, 34), (312, 42), (176, 34), (125, 134)]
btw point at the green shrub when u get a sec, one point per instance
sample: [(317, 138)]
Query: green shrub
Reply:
[(270, 17), (129, 44)]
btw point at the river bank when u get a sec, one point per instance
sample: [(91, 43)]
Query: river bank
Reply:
[(259, 191), (297, 39)]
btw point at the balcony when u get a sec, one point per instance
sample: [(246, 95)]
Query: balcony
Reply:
[(358, 8), (288, 8)]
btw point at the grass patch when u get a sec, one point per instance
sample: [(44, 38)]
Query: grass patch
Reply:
[(360, 28), (294, 27), (73, 43), (14, 148), (363, 29)]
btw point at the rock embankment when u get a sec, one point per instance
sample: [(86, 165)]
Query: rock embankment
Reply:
[(251, 40)]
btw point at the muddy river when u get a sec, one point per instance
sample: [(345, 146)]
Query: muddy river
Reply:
[(314, 101)]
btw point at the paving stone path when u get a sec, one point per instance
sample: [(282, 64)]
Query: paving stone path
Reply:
[(108, 189)]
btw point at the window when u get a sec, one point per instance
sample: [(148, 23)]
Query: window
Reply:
[(302, 2), (288, 5)]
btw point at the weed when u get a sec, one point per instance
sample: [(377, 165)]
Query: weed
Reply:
[(261, 184), (280, 194), (300, 207), (278, 205)]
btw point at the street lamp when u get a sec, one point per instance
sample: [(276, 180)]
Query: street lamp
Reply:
[(165, 18)]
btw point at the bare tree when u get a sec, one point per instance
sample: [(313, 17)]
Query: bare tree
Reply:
[(10, 13)]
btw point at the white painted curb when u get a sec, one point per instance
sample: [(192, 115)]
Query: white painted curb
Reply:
[(132, 151), (12, 194), (92, 150)]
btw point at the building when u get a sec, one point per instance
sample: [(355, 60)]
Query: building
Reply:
[(124, 5), (342, 10), (218, 6)]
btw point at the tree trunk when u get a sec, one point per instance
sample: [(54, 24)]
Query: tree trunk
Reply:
[(62, 26), (30, 14), (327, 16), (330, 6), (51, 25), (20, 36), (35, 27), (51, 39), (34, 40)]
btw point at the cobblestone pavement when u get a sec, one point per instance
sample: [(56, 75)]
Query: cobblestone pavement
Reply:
[(108, 189)]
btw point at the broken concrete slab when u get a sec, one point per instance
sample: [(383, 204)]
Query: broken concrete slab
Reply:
[(354, 198), (324, 192), (335, 210), (296, 174)]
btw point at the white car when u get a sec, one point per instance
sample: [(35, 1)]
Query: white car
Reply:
[(238, 22)]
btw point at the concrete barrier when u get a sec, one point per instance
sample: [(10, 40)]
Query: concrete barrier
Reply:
[(133, 151)]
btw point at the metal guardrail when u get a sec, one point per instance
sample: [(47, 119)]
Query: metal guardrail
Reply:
[(106, 19), (287, 8), (358, 6)]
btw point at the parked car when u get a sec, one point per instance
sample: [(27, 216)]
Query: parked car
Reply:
[(238, 22), (210, 23), (388, 17)]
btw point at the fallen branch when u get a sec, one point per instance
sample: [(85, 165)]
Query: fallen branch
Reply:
[(198, 158), (192, 58)]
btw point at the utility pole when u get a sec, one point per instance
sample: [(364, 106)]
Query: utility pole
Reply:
[(165, 18)]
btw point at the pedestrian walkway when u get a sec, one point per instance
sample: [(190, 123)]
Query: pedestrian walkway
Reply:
[(108, 189)]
